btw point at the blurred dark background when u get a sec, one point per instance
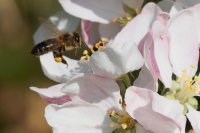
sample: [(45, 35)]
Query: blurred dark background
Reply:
[(21, 110)]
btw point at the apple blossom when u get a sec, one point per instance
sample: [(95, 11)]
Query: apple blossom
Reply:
[(172, 46), (94, 107)]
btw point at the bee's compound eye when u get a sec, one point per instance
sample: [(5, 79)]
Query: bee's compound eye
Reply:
[(77, 37)]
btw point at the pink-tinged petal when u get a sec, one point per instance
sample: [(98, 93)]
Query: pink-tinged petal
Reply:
[(93, 32), (109, 31), (166, 5), (149, 108), (184, 45), (136, 29), (163, 18), (94, 10), (77, 117), (116, 60), (140, 129), (52, 94), (194, 118), (90, 32), (149, 57), (60, 72), (95, 90), (161, 52), (146, 80)]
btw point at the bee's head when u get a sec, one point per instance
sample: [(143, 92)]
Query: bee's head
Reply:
[(77, 38)]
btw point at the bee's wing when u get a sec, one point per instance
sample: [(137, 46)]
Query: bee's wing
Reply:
[(50, 27)]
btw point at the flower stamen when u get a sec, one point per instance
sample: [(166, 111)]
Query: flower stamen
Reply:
[(98, 46), (130, 13), (121, 120), (186, 87)]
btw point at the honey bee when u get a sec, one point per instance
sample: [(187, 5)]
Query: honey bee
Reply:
[(58, 45)]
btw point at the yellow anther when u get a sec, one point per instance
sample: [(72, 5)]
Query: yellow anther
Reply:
[(83, 58), (124, 125), (114, 20), (85, 52), (192, 66), (189, 79), (92, 50), (193, 88), (129, 18), (58, 59), (188, 84), (101, 47), (97, 45), (196, 78), (104, 41), (111, 125), (113, 113)]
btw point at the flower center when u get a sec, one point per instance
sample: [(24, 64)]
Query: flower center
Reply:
[(121, 121), (98, 46), (185, 88), (130, 13)]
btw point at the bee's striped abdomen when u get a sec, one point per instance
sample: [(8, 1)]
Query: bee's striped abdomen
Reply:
[(44, 47)]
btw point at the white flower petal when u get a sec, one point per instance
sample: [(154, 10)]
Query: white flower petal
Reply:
[(176, 8), (93, 32), (113, 61), (194, 118), (136, 29), (149, 108), (94, 10), (60, 72), (109, 31), (94, 89), (53, 94), (161, 52), (149, 57), (74, 117), (184, 45), (90, 32)]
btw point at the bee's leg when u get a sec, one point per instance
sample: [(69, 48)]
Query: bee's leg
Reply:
[(76, 51), (59, 58), (64, 61)]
